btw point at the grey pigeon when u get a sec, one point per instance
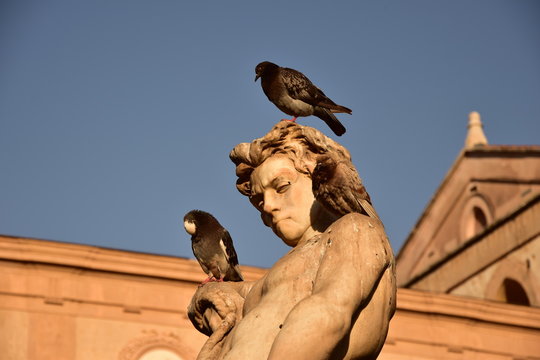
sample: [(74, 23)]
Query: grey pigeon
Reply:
[(213, 247), (337, 186), (294, 94)]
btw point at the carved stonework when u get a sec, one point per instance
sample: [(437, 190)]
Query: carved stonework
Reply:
[(152, 340)]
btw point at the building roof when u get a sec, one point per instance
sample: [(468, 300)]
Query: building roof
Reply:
[(477, 163), (89, 257)]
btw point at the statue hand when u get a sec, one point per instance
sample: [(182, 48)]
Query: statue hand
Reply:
[(215, 307)]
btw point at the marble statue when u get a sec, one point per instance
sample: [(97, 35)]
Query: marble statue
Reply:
[(331, 296)]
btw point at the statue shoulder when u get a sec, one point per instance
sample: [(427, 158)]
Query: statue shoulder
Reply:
[(358, 228), (355, 222)]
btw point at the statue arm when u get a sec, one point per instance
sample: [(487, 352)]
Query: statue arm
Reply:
[(357, 255)]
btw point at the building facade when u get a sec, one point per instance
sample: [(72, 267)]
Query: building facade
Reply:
[(468, 276), (75, 302), (473, 256)]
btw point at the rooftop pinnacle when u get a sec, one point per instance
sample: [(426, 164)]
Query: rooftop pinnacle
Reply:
[(475, 134)]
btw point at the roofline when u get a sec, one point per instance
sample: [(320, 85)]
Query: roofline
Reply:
[(482, 150), (93, 258), (430, 203), (83, 245)]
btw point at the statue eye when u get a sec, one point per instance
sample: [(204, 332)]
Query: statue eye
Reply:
[(257, 201), (283, 187)]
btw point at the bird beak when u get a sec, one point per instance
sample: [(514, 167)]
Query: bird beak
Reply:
[(257, 77)]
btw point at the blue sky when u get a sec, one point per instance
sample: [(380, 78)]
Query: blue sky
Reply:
[(117, 117)]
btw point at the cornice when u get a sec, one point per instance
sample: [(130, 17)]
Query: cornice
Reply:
[(110, 260)]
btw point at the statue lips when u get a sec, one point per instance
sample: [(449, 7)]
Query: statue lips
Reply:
[(270, 219), (275, 221), (284, 226)]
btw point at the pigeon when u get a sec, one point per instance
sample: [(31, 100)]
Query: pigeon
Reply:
[(294, 94), (337, 186), (213, 247)]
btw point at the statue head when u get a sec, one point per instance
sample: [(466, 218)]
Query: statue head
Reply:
[(275, 173)]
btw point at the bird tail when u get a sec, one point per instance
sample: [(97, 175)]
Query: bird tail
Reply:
[(341, 109), (330, 120), (335, 108), (234, 273), (369, 209)]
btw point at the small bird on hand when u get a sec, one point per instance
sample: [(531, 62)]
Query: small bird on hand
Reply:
[(294, 94), (338, 187), (213, 247)]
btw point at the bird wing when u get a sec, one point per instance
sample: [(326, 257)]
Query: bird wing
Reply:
[(299, 87), (356, 192), (201, 258), (228, 248), (362, 196), (233, 272), (369, 209), (351, 177), (204, 267)]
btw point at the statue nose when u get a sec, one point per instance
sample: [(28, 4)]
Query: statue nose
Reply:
[(270, 204)]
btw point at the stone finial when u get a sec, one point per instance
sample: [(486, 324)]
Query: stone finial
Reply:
[(475, 134)]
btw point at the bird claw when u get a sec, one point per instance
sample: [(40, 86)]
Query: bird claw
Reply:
[(210, 279), (293, 119), (207, 280)]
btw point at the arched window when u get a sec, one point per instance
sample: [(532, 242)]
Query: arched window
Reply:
[(512, 292), (512, 282), (480, 220), (160, 354), (153, 345), (475, 218)]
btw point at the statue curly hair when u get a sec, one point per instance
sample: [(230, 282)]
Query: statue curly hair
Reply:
[(302, 144)]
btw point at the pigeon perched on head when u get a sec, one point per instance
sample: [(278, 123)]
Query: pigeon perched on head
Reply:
[(212, 246), (294, 94), (338, 187)]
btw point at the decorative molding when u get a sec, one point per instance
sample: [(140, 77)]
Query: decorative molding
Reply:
[(459, 307), (152, 339), (110, 260)]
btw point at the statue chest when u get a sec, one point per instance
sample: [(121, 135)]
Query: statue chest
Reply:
[(295, 272)]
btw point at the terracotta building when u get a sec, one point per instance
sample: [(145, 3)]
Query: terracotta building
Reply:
[(65, 302), (468, 276), (469, 271)]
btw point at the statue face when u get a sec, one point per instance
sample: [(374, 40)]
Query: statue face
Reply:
[(285, 199)]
